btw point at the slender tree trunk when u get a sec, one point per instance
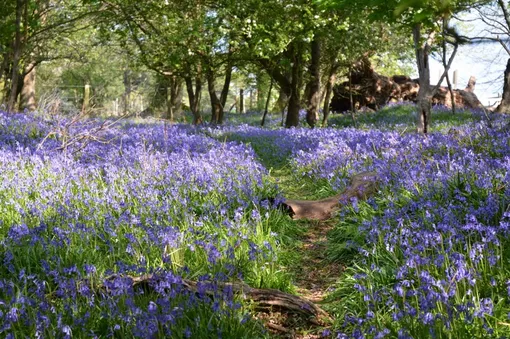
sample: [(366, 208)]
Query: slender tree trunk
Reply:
[(261, 88), (424, 93), (13, 95), (174, 98), (351, 100), (28, 101), (126, 97), (328, 93), (4, 76), (194, 98), (267, 103), (241, 101), (445, 65), (169, 106), (314, 94), (216, 109), (295, 95), (504, 105), (226, 86), (86, 99), (252, 97)]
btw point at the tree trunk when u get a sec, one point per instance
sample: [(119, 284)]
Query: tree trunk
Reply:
[(282, 101), (28, 101), (261, 88), (314, 94), (13, 95), (293, 109), (329, 91), (241, 101), (253, 95), (295, 95), (226, 86), (216, 109), (267, 103), (126, 97), (351, 100), (424, 94), (86, 99), (174, 98), (445, 65), (4, 76), (504, 106), (194, 98)]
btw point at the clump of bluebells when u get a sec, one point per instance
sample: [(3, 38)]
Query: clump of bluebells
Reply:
[(433, 245), (78, 225)]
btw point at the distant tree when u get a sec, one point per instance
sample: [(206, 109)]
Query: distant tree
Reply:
[(495, 17), (29, 34), (190, 40), (423, 18)]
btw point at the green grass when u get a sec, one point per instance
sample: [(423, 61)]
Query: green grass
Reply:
[(402, 118)]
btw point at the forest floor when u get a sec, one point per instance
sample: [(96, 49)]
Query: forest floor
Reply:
[(314, 275)]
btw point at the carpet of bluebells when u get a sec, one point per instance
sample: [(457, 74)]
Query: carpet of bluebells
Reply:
[(428, 256), (79, 219)]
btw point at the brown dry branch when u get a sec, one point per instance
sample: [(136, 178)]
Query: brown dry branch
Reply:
[(362, 186), (265, 299), (79, 140)]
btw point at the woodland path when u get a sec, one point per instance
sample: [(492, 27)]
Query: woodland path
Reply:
[(314, 275)]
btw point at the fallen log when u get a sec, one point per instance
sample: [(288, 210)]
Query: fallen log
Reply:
[(265, 299), (362, 186)]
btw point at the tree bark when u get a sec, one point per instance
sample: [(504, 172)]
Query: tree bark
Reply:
[(504, 105), (314, 87), (424, 94), (126, 97), (86, 99), (28, 100), (216, 108), (226, 86), (174, 98), (267, 103), (295, 88), (292, 119), (194, 98), (329, 91), (445, 65), (13, 95), (241, 101), (4, 76)]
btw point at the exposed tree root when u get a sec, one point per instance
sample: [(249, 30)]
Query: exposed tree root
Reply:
[(362, 186), (266, 300)]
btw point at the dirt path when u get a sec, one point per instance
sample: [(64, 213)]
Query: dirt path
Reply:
[(316, 275)]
